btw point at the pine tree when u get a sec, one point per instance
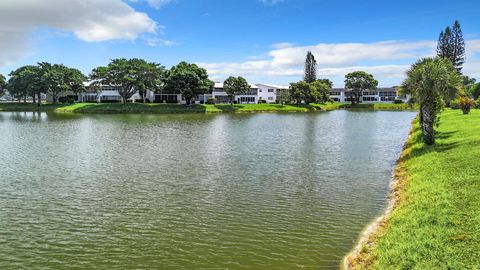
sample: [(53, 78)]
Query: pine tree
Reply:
[(451, 45), (458, 47), (310, 68)]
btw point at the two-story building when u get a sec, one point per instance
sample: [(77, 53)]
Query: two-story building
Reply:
[(383, 95), (268, 92), (220, 96)]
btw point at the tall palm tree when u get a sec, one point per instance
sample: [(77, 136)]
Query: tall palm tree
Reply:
[(430, 81)]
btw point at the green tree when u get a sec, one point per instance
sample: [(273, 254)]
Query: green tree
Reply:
[(451, 45), (298, 91), (130, 76), (189, 80), (327, 82), (283, 96), (357, 82), (467, 81), (315, 92), (26, 81), (319, 92), (235, 86), (3, 84), (429, 81), (310, 68), (474, 91), (57, 79)]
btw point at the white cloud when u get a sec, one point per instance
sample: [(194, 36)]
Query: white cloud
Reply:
[(89, 20), (270, 2), (159, 42), (387, 60), (158, 3), (154, 3)]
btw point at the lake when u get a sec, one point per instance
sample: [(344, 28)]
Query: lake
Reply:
[(226, 191)]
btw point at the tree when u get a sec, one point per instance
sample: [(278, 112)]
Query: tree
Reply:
[(327, 82), (474, 91), (429, 81), (283, 96), (319, 92), (57, 79), (235, 86), (467, 81), (357, 82), (189, 80), (3, 84), (130, 76), (26, 81), (315, 92), (310, 68), (298, 91), (451, 45)]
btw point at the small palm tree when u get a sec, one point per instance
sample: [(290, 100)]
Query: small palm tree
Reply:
[(430, 81)]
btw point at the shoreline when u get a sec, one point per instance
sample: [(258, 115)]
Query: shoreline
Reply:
[(361, 253), (150, 108)]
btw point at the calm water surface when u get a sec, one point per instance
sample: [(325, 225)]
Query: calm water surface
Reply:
[(249, 191)]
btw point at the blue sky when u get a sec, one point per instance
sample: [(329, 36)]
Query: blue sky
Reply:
[(264, 41)]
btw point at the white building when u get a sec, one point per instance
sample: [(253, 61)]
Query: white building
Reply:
[(268, 92), (99, 94), (379, 95), (221, 96)]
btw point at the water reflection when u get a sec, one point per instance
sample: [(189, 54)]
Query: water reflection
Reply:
[(253, 191)]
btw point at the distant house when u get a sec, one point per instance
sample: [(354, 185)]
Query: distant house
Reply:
[(268, 92), (98, 94), (383, 95), (221, 96)]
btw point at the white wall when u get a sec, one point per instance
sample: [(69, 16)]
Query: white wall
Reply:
[(268, 92)]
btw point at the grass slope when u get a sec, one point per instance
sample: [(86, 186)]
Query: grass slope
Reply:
[(436, 224), (175, 108)]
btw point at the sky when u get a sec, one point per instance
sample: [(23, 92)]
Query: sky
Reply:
[(263, 40)]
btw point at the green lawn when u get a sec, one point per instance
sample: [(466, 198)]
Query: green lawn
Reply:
[(175, 108), (27, 107), (379, 106), (436, 224)]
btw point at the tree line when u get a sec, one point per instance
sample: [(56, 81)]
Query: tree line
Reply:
[(130, 76)]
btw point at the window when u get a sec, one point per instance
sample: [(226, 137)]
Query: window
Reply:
[(334, 93), (271, 90), (270, 98), (369, 99), (260, 90)]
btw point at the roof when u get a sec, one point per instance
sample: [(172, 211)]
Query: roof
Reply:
[(378, 89), (220, 85), (273, 86)]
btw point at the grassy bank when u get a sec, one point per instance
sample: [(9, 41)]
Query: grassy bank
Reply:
[(436, 221), (175, 108), (379, 106)]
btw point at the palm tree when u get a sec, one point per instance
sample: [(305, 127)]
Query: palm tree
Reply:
[(429, 81)]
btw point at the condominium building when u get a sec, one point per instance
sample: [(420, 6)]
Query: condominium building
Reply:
[(220, 96), (379, 95), (268, 93)]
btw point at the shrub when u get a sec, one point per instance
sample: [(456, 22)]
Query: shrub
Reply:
[(455, 104), (210, 101), (398, 101), (466, 103), (477, 103), (261, 101)]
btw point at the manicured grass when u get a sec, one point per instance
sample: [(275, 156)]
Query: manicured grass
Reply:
[(175, 108), (27, 107), (436, 224), (380, 106)]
